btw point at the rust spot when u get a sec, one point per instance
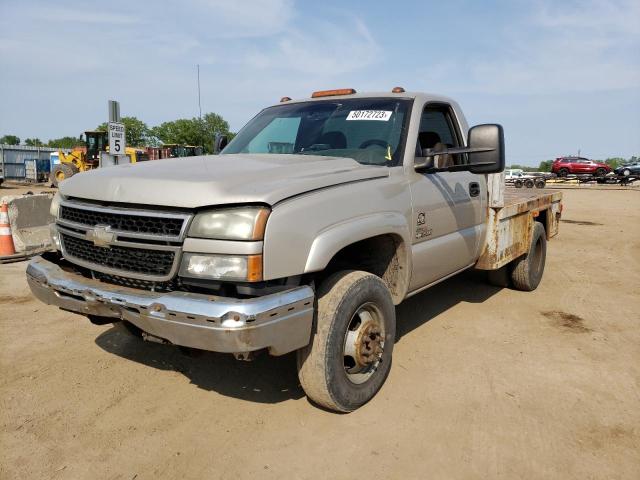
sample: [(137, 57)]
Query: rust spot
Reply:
[(567, 321)]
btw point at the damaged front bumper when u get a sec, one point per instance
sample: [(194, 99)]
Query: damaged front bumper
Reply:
[(279, 322)]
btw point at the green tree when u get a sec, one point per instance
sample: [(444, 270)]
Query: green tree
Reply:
[(545, 166), (194, 131), (33, 142), (10, 140), (65, 142), (615, 162), (136, 131)]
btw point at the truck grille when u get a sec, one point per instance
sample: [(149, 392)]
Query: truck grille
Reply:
[(125, 222), (135, 283), (156, 263)]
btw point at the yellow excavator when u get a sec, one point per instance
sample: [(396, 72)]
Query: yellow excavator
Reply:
[(87, 156)]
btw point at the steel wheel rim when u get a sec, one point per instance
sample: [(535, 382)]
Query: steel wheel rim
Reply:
[(363, 344)]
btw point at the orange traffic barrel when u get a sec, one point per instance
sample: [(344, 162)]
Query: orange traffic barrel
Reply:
[(6, 239)]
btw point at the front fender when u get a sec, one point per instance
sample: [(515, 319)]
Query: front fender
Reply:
[(304, 233), (334, 238)]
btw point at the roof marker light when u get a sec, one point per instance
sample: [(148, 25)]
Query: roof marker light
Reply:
[(397, 90), (285, 99), (332, 93)]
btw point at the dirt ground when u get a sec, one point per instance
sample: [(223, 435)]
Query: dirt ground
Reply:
[(486, 383), (10, 188)]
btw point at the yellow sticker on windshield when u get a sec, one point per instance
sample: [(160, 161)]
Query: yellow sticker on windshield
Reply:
[(388, 155)]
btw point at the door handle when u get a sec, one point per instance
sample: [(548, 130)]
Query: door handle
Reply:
[(474, 189)]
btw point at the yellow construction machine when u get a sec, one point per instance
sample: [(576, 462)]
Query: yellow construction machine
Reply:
[(87, 156)]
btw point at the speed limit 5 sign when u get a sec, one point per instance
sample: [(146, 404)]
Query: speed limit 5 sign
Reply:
[(117, 141)]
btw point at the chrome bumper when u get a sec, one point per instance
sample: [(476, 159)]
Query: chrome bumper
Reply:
[(280, 322)]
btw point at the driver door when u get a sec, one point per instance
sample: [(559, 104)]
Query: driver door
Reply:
[(448, 207)]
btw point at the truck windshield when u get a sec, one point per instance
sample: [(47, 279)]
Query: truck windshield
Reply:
[(369, 130)]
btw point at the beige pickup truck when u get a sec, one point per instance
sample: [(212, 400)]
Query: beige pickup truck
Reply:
[(303, 235)]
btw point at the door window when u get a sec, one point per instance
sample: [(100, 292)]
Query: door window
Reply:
[(438, 129)]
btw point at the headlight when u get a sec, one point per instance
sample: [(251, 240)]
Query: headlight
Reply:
[(55, 205), (242, 223), (245, 268)]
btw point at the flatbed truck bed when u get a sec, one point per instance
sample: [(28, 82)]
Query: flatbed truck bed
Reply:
[(510, 223)]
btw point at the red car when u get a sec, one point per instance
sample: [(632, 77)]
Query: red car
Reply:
[(565, 165)]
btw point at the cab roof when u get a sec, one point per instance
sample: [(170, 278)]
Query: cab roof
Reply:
[(426, 97)]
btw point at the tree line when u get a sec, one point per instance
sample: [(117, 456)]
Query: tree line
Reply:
[(183, 131)]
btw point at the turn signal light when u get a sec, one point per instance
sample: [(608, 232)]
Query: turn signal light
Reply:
[(254, 268), (332, 93)]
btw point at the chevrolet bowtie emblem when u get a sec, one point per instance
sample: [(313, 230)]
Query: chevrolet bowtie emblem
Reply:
[(101, 236)]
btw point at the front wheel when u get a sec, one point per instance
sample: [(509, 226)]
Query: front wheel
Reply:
[(349, 356), (600, 172)]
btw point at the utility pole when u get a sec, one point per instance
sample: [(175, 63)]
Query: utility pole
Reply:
[(200, 111), (199, 104)]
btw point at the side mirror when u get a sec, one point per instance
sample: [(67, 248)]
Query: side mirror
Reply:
[(221, 141), (488, 142)]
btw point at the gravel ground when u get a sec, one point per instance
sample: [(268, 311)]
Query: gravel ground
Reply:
[(486, 383)]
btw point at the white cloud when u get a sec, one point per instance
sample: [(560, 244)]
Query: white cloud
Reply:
[(581, 47), (144, 54)]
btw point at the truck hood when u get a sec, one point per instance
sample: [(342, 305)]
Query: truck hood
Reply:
[(194, 182)]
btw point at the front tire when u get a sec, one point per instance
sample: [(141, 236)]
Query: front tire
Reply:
[(349, 356), (600, 172), (563, 172)]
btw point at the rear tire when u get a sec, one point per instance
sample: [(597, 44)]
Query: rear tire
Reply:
[(626, 172), (528, 269), (541, 183), (528, 183), (563, 172), (600, 172), (349, 356)]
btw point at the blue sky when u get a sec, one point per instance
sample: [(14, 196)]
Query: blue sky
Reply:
[(559, 75)]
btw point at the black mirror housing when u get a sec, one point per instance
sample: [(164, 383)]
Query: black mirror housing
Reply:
[(491, 137)]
